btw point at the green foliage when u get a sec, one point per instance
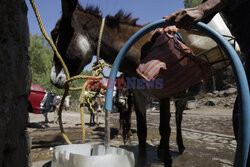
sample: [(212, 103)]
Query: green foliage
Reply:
[(40, 63), (192, 3)]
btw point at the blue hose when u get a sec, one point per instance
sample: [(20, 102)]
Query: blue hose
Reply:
[(243, 90)]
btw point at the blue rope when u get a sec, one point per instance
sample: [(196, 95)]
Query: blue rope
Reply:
[(243, 90)]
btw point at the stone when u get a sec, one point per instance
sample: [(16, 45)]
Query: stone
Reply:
[(210, 94), (211, 102), (191, 104), (215, 92), (231, 91), (222, 94)]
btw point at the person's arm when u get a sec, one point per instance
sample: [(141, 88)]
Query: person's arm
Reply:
[(185, 18)]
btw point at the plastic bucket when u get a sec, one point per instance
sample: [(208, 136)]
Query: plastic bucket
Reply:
[(84, 155)]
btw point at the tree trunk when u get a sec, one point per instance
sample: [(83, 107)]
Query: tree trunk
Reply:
[(15, 80)]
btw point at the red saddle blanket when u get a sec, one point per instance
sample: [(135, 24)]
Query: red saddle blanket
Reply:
[(174, 64)]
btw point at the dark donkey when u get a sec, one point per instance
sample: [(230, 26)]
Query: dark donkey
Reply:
[(123, 100), (76, 35)]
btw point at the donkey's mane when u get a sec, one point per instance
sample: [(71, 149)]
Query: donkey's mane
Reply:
[(113, 21)]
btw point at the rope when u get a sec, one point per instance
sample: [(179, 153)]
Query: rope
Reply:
[(82, 111), (97, 69), (60, 117), (100, 40)]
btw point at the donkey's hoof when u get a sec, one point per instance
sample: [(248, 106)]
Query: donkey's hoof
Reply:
[(168, 164), (164, 156), (160, 154), (181, 149), (141, 163), (142, 159)]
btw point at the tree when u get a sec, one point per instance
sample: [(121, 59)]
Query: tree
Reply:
[(192, 3), (40, 60)]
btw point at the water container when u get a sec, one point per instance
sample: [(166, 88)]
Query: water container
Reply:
[(84, 155), (208, 49)]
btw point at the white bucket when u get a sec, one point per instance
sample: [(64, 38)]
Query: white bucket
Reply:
[(83, 155)]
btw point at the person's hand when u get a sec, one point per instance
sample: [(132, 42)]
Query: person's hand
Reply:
[(171, 29), (185, 18)]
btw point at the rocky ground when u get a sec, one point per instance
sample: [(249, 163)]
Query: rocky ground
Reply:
[(207, 133)]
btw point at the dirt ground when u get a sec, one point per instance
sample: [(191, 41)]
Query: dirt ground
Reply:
[(207, 134)]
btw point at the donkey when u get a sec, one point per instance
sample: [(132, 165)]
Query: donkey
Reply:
[(124, 103), (66, 105), (75, 36), (98, 106)]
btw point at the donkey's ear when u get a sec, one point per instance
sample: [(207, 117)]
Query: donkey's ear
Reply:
[(68, 7)]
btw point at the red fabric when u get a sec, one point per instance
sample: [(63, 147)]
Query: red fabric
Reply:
[(95, 84), (173, 62)]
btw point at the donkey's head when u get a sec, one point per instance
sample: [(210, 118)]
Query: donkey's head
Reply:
[(76, 36), (72, 42)]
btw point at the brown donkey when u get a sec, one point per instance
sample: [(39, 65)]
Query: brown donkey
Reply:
[(75, 36)]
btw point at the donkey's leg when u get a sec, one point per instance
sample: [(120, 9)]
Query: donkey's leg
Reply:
[(236, 125), (46, 117), (56, 116), (165, 130), (91, 119), (128, 119), (97, 118), (129, 113), (121, 121), (180, 106), (139, 102)]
